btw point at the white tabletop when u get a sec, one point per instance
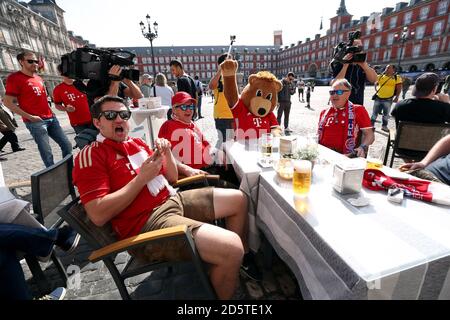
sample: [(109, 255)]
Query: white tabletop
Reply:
[(376, 241)]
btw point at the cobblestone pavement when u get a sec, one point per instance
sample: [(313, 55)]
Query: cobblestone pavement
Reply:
[(93, 281)]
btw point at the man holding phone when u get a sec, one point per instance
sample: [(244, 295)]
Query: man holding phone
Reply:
[(122, 182)]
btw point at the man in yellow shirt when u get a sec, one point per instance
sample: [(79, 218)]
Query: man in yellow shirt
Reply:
[(223, 116), (389, 88)]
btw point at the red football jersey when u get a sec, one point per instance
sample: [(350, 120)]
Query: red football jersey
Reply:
[(335, 129), (99, 170), (188, 144), (30, 93), (69, 95), (250, 126)]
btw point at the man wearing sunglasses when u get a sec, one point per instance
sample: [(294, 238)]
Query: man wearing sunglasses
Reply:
[(122, 182), (26, 95), (340, 125), (188, 143)]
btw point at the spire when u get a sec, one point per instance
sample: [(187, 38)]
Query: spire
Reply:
[(342, 11), (321, 23)]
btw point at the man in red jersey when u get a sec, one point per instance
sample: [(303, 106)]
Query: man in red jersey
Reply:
[(122, 181), (26, 96), (189, 146), (340, 124), (69, 99)]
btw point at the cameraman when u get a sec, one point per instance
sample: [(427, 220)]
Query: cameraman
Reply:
[(356, 73), (121, 87)]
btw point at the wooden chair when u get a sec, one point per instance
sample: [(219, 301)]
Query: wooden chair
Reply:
[(49, 190), (414, 140), (106, 247)]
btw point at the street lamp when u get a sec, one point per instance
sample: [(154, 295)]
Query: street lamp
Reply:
[(151, 35), (403, 37)]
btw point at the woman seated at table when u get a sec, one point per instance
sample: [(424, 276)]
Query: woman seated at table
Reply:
[(342, 123), (191, 149)]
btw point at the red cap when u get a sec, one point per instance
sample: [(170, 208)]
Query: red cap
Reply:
[(181, 98)]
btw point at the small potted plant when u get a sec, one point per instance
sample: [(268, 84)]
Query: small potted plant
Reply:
[(308, 152)]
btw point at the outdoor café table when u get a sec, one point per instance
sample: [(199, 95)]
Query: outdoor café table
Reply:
[(337, 251), (245, 164), (147, 122)]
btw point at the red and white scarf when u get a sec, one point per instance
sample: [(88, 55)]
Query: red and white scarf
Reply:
[(417, 189), (137, 155)]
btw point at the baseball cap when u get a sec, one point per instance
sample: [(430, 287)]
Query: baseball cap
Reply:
[(425, 84), (182, 98), (146, 76)]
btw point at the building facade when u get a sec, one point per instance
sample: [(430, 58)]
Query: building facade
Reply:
[(424, 46), (38, 26)]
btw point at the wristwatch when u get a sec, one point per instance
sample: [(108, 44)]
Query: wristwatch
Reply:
[(364, 147)]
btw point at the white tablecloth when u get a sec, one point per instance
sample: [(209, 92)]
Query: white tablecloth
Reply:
[(337, 251)]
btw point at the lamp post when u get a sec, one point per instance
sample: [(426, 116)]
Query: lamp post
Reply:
[(151, 35), (403, 37)]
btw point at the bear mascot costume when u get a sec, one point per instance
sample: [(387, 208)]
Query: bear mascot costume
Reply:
[(253, 111)]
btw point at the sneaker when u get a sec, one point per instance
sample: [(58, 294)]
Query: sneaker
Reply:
[(250, 269), (67, 239), (385, 129), (57, 294), (19, 149)]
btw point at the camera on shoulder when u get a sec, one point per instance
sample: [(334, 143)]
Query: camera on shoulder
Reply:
[(344, 48), (94, 64)]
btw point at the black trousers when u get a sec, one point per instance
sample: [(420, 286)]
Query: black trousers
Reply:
[(11, 137), (285, 107)]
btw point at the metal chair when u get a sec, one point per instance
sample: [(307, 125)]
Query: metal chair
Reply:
[(106, 246), (414, 140), (49, 189)]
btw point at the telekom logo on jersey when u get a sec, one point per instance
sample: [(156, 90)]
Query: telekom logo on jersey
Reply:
[(71, 97), (257, 122), (37, 91)]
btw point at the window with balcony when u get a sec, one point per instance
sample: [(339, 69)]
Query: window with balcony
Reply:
[(433, 49), (420, 32), (424, 13), (393, 22), (375, 56), (387, 55), (407, 18), (416, 50), (442, 7), (390, 39), (7, 36), (437, 28), (378, 42)]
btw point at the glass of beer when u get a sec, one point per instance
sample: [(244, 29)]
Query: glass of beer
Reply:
[(302, 177), (266, 145), (375, 157)]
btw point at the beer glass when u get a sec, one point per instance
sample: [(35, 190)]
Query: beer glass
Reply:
[(266, 145), (302, 177), (375, 157)]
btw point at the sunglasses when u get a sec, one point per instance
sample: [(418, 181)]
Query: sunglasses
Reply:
[(186, 107), (33, 61), (338, 92), (112, 115)]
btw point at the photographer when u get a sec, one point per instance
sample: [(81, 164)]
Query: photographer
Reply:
[(388, 90), (356, 71)]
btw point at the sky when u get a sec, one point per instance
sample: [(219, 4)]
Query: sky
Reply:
[(115, 23)]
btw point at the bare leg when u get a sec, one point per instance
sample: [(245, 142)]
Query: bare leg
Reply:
[(223, 250), (232, 205)]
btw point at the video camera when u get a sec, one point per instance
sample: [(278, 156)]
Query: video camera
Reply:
[(94, 64), (342, 49)]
